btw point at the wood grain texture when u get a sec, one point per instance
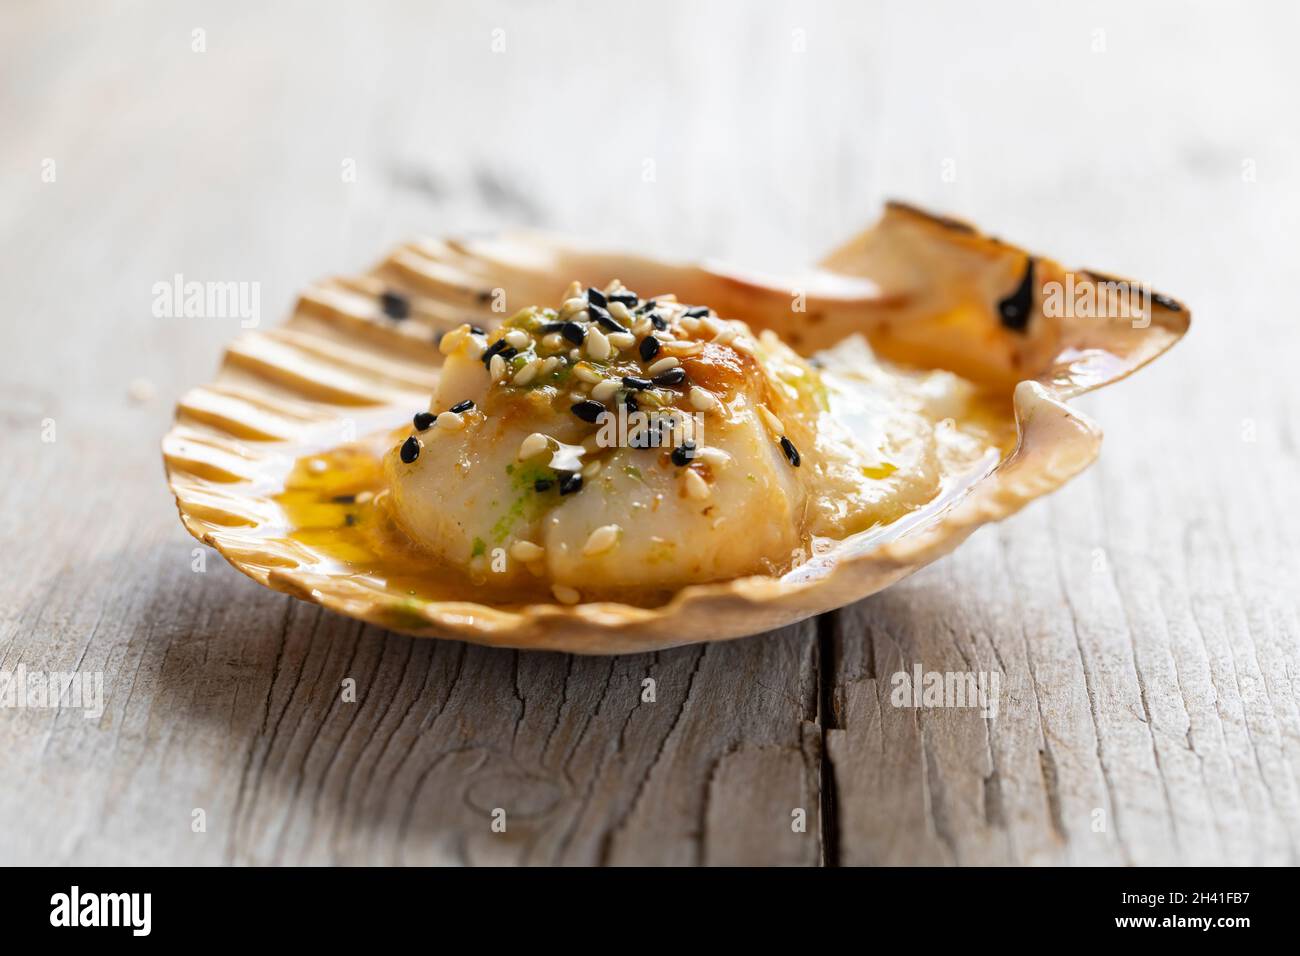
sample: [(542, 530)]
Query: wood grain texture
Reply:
[(1143, 621)]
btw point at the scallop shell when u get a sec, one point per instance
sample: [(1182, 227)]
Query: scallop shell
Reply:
[(925, 290)]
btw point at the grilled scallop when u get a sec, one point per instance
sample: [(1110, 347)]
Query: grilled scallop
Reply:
[(930, 399), (613, 448)]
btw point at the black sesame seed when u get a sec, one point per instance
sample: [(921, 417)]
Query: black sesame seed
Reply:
[(674, 376), (629, 299), (344, 499), (791, 452), (1015, 309), (550, 327), (496, 348), (696, 312), (570, 481), (640, 384), (683, 454), (604, 319), (647, 305), (410, 449), (349, 519), (596, 297), (508, 353), (395, 305), (658, 321), (542, 484), (423, 420), (587, 410), (462, 406), (574, 332), (649, 348), (478, 330)]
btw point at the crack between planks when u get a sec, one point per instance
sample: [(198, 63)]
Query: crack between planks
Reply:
[(828, 719)]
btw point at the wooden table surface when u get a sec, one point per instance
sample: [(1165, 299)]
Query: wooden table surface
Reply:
[(1143, 622)]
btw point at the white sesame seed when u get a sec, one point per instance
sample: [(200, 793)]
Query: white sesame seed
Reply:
[(663, 365), (601, 540), (497, 368), (642, 325), (684, 348), (597, 345), (534, 444), (548, 365), (526, 551), (703, 400), (622, 340), (553, 342), (606, 389), (614, 286), (773, 423), (574, 291), (690, 324), (571, 305), (696, 487), (565, 594), (450, 422), (517, 338), (713, 457), (585, 372), (574, 355), (725, 333), (527, 373), (619, 311)]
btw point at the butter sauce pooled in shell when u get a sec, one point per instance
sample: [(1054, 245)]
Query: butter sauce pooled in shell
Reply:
[(615, 448)]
